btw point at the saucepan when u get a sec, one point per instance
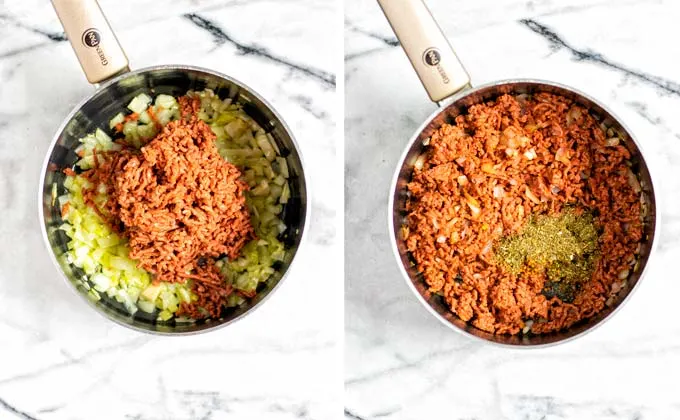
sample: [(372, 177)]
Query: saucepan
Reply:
[(448, 84), (106, 67)]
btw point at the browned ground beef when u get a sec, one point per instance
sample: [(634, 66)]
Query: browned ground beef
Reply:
[(483, 177), (180, 204)]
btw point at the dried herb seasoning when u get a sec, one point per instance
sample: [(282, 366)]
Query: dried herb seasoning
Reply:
[(564, 246)]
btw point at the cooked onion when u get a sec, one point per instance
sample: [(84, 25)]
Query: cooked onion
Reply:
[(633, 181), (473, 204), (531, 196), (488, 168), (487, 248), (562, 156), (614, 141), (419, 162), (530, 154)]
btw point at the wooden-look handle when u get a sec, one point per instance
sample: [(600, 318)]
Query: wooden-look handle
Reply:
[(431, 55), (92, 39)]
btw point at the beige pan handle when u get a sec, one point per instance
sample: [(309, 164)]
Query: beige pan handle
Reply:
[(92, 39), (431, 55)]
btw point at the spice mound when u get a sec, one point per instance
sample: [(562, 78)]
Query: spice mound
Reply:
[(524, 214), (563, 247), (181, 205)]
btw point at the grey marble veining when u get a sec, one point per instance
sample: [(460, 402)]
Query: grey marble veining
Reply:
[(58, 359), (400, 363)]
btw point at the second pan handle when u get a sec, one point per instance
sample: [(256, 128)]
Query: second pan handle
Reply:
[(92, 39), (439, 69)]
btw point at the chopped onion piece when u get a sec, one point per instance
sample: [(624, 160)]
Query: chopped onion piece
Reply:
[(562, 156), (283, 166), (273, 143), (404, 232), (530, 154), (285, 194), (473, 204), (488, 168), (420, 161), (613, 141), (165, 101), (487, 248), (139, 103), (266, 147), (530, 195), (633, 181), (573, 114), (118, 119)]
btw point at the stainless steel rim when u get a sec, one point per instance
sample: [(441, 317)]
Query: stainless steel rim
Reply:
[(393, 190), (68, 118)]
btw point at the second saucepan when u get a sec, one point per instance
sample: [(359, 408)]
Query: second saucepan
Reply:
[(448, 84)]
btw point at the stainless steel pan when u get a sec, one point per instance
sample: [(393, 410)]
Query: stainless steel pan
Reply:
[(448, 84), (106, 66)]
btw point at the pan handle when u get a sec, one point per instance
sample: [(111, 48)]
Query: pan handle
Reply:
[(92, 39), (439, 69)]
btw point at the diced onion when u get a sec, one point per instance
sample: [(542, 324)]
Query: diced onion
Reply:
[(139, 103), (488, 168), (473, 204), (530, 154), (420, 161), (165, 101), (531, 196), (573, 115), (283, 166), (633, 181), (118, 119), (487, 248), (562, 156)]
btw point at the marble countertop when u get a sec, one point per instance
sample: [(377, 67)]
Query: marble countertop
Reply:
[(401, 363), (60, 360)]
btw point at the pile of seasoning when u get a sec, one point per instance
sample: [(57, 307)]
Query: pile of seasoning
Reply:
[(562, 246)]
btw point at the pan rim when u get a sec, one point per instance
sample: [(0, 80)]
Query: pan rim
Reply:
[(442, 106), (43, 172)]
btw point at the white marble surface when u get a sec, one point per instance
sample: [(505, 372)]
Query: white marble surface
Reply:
[(60, 360), (400, 362)]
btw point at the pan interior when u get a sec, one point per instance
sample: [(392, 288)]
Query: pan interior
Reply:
[(459, 105), (112, 98)]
